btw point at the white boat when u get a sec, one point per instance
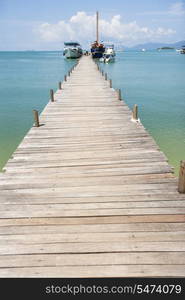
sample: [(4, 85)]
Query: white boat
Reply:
[(109, 54), (107, 58), (182, 50), (72, 50), (143, 49)]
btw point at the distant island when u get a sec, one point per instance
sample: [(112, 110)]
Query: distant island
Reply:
[(152, 46), (166, 48)]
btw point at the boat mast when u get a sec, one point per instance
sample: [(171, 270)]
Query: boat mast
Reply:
[(97, 26)]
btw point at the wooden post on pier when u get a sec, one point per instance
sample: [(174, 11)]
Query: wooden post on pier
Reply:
[(36, 117), (60, 85), (119, 94), (110, 81), (52, 95), (65, 78), (135, 112), (181, 184), (102, 73), (105, 76), (69, 73)]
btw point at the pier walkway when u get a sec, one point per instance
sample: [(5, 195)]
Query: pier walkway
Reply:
[(89, 193)]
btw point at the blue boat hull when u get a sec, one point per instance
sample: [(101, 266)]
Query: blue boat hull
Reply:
[(97, 52)]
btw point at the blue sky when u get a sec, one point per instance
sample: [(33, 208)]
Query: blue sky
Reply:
[(46, 24)]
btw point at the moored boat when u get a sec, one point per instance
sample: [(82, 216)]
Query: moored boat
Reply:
[(182, 50), (109, 54), (97, 49), (72, 50), (107, 58)]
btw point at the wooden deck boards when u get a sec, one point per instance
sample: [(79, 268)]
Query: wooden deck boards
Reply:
[(89, 193)]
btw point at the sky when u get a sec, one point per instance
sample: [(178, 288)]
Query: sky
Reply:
[(46, 24)]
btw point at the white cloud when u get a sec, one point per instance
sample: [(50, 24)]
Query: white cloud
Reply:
[(177, 9), (81, 27)]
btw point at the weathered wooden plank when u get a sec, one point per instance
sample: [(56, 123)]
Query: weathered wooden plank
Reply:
[(94, 220), (43, 180), (49, 211), (102, 247), (96, 205), (177, 236), (48, 260), (97, 271), (23, 198), (96, 172), (124, 162), (96, 191), (120, 159), (97, 228), (81, 182)]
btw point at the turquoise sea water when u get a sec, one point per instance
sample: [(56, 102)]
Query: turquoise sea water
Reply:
[(25, 81), (154, 80)]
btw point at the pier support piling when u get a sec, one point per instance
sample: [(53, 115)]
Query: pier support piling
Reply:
[(36, 117), (135, 113), (60, 85), (181, 184), (119, 94), (110, 81), (52, 95)]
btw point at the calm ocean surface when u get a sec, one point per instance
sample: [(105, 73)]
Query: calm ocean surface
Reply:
[(153, 80)]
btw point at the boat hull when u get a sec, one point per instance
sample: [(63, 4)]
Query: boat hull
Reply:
[(72, 53), (97, 52), (108, 55), (107, 60)]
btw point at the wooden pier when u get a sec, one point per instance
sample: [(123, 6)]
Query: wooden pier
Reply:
[(88, 193)]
